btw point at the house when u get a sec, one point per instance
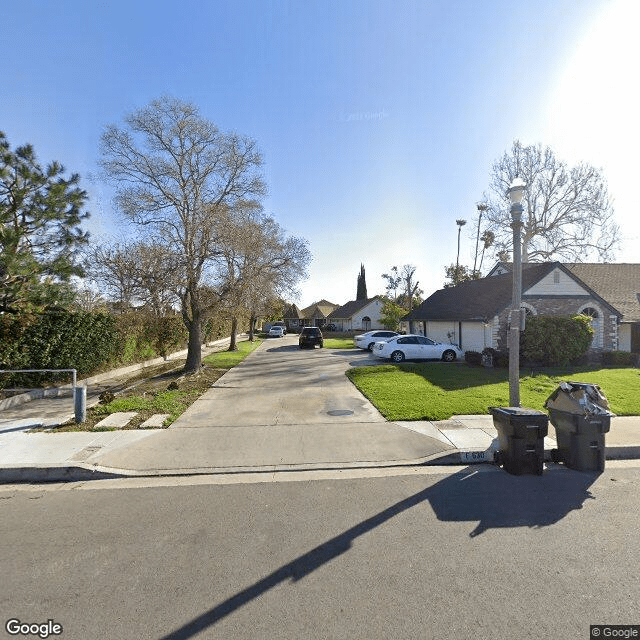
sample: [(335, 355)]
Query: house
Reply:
[(475, 314), (358, 314), (315, 315), (293, 317)]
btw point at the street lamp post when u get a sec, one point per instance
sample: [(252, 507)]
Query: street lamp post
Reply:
[(516, 193)]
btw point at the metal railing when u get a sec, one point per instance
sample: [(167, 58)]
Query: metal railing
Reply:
[(79, 393)]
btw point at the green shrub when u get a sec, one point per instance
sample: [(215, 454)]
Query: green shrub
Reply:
[(498, 358), (550, 340), (618, 358), (473, 358), (56, 340)]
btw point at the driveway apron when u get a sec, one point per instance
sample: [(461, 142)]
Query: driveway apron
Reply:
[(282, 407)]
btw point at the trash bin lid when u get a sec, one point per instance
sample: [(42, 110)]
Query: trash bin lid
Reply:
[(516, 411)]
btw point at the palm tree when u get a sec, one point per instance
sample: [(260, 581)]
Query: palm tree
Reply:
[(460, 224), (488, 238)]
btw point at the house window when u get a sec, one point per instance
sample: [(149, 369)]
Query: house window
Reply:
[(596, 323), (556, 277), (366, 323)]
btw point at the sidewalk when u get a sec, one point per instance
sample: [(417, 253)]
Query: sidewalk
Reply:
[(38, 457), (343, 433)]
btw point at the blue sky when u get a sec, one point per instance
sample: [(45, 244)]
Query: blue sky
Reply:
[(378, 120)]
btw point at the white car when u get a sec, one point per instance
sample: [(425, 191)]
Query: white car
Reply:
[(368, 339), (276, 332), (415, 347)]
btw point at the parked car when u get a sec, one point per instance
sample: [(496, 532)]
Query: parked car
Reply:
[(414, 347), (310, 337), (275, 332), (368, 339), (281, 324)]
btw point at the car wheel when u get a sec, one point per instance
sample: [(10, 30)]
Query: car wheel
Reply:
[(397, 356), (449, 355), (370, 347)]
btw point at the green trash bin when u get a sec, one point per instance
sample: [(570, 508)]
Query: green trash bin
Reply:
[(521, 434), (581, 415)]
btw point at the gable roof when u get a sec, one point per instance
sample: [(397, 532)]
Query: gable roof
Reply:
[(476, 299), (351, 308), (484, 298), (618, 284), (320, 309)]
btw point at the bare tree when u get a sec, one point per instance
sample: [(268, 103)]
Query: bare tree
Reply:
[(393, 282), (112, 268), (261, 263), (567, 213), (179, 176)]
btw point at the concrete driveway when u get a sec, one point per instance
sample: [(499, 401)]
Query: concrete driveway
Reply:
[(281, 384), (282, 408)]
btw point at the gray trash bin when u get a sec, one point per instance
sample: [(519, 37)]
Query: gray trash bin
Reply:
[(581, 415), (521, 434)]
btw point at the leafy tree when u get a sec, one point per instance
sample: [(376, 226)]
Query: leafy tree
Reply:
[(567, 212), (40, 234), (180, 177), (361, 293), (391, 315), (458, 274)]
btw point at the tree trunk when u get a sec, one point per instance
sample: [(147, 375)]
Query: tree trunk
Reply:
[(194, 352), (233, 346), (252, 328)]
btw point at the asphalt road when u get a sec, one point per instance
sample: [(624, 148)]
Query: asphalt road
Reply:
[(473, 553)]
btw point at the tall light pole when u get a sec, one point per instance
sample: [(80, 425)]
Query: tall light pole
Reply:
[(516, 193)]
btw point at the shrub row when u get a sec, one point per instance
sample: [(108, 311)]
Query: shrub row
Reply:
[(88, 342)]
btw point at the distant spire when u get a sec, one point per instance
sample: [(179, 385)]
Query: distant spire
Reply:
[(361, 293)]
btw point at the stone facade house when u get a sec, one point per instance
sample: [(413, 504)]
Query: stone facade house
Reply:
[(361, 315), (315, 315), (475, 314)]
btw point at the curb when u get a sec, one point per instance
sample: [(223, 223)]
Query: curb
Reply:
[(80, 472)]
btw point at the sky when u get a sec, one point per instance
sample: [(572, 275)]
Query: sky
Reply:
[(378, 120)]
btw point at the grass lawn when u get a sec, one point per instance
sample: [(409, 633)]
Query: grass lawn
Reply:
[(229, 359), (339, 343), (436, 390)]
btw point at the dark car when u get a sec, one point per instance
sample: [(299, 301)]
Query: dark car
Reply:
[(310, 337)]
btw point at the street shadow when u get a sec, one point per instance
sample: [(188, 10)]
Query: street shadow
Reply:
[(285, 348), (491, 499)]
